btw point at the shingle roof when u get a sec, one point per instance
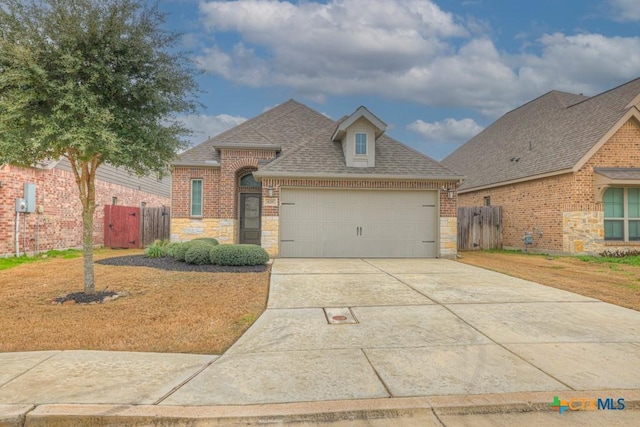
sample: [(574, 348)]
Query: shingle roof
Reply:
[(308, 150), (392, 159), (549, 134), (285, 125)]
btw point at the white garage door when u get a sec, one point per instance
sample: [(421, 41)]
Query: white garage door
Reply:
[(358, 223)]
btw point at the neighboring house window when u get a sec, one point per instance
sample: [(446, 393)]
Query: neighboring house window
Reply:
[(622, 214), (196, 197), (361, 143), (487, 200)]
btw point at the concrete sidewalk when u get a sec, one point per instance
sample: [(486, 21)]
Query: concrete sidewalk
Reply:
[(425, 342)]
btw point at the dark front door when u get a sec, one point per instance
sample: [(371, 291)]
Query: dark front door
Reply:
[(250, 218)]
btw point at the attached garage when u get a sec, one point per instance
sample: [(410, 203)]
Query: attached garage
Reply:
[(358, 223)]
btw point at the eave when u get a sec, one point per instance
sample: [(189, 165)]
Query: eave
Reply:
[(376, 176), (245, 146)]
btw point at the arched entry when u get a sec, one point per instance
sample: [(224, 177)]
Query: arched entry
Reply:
[(250, 198)]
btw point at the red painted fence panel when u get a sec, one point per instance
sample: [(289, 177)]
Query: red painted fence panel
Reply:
[(121, 227)]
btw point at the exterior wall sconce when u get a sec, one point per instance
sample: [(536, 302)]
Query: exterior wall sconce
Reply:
[(450, 193), (270, 191)]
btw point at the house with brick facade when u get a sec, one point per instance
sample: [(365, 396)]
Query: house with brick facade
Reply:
[(303, 185), (564, 167), (55, 222)]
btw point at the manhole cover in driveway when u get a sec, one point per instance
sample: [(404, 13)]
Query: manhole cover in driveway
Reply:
[(339, 316)]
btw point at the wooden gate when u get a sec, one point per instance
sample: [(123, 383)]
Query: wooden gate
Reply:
[(154, 224), (121, 227), (479, 228)]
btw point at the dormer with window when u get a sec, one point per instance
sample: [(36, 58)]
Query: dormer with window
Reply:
[(358, 134)]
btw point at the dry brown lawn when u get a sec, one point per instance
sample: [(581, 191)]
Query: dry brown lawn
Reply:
[(614, 283), (164, 311)]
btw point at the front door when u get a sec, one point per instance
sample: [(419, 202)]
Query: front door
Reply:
[(250, 218)]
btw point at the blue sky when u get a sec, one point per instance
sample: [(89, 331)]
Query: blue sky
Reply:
[(437, 72)]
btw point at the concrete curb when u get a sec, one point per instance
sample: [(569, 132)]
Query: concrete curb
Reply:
[(411, 410), (13, 415)]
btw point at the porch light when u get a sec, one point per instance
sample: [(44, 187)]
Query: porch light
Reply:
[(270, 191), (450, 193)]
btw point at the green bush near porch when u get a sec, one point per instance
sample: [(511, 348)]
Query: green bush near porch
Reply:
[(198, 253), (238, 255)]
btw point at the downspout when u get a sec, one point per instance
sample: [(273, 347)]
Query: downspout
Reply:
[(17, 233)]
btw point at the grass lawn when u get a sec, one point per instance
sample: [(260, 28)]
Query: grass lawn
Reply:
[(613, 280), (164, 311)]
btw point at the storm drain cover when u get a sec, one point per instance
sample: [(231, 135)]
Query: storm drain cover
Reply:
[(339, 316)]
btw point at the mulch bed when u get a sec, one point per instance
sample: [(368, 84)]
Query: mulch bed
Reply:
[(82, 298), (170, 264)]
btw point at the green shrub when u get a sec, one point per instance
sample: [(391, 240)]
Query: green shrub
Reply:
[(169, 248), (198, 253), (210, 240), (236, 255), (181, 250), (156, 249)]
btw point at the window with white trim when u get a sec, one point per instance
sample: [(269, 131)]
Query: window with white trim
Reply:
[(196, 197), (361, 143), (622, 214)]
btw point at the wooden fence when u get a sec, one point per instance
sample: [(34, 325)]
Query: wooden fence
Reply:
[(154, 224), (479, 228)]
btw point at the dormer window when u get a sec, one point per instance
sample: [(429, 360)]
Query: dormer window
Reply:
[(361, 143), (358, 134)]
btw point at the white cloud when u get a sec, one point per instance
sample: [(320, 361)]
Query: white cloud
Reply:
[(205, 127), (581, 63), (409, 50), (626, 10), (447, 131)]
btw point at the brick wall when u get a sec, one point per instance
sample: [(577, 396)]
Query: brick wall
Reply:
[(181, 191), (59, 225), (220, 184), (528, 205), (621, 151), (562, 207)]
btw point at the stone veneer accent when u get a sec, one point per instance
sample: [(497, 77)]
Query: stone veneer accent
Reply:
[(583, 231), (184, 229), (270, 234), (448, 237)]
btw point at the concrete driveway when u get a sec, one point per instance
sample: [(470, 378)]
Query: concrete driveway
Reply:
[(374, 328)]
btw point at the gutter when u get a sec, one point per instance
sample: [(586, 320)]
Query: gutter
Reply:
[(206, 163), (515, 181), (324, 175)]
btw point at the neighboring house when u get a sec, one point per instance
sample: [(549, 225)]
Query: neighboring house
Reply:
[(303, 185), (564, 167), (56, 222)]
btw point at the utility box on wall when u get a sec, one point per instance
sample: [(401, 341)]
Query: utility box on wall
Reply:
[(21, 205), (30, 197)]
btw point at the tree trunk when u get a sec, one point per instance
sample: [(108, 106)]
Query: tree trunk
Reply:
[(85, 174), (87, 248)]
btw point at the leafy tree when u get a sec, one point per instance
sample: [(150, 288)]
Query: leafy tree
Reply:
[(95, 81)]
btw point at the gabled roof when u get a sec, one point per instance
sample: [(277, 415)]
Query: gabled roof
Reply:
[(304, 137), (555, 133), (361, 112), (279, 129)]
